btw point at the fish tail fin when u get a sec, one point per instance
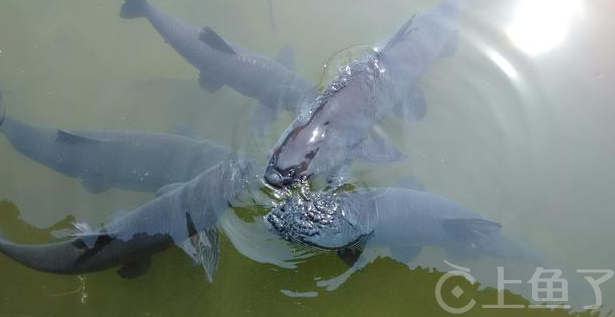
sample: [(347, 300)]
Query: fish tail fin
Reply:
[(2, 109), (133, 9)]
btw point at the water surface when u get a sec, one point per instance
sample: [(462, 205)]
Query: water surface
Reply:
[(519, 127)]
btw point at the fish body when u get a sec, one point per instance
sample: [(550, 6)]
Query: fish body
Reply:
[(185, 216), (337, 126), (274, 85), (401, 220), (121, 159), (388, 216)]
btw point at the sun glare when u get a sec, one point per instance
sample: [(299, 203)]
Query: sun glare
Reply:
[(540, 25)]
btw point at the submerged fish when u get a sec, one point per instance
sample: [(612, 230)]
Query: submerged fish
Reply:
[(273, 83), (114, 159), (337, 127), (402, 220), (185, 215)]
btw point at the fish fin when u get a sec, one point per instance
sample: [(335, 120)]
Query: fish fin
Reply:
[(91, 240), (367, 257), (82, 228), (414, 107), (209, 252), (410, 183), (376, 149), (204, 249), (62, 229), (351, 255), (168, 188), (135, 269), (132, 9), (472, 232), (450, 49), (208, 84), (405, 254), (400, 35), (2, 109), (94, 186), (286, 57), (211, 38), (69, 137)]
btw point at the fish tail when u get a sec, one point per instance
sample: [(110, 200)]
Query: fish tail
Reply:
[(133, 9)]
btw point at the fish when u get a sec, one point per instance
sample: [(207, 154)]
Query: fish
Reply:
[(338, 127), (185, 215), (102, 160), (404, 221), (274, 83)]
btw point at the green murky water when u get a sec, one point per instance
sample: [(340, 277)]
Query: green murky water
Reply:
[(521, 133)]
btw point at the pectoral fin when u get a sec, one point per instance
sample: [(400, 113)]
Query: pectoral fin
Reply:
[(414, 107), (204, 249), (69, 137), (286, 57), (376, 149), (367, 256), (211, 38), (209, 84), (351, 255)]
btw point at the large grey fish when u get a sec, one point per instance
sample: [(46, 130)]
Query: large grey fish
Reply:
[(250, 239), (273, 83), (185, 215), (121, 159), (337, 128), (402, 220)]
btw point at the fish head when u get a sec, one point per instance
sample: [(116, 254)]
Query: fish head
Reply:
[(291, 161), (323, 221)]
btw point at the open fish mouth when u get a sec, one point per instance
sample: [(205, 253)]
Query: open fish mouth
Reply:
[(317, 221)]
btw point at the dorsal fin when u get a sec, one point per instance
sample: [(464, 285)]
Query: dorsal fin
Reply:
[(214, 40), (74, 138), (400, 35)]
